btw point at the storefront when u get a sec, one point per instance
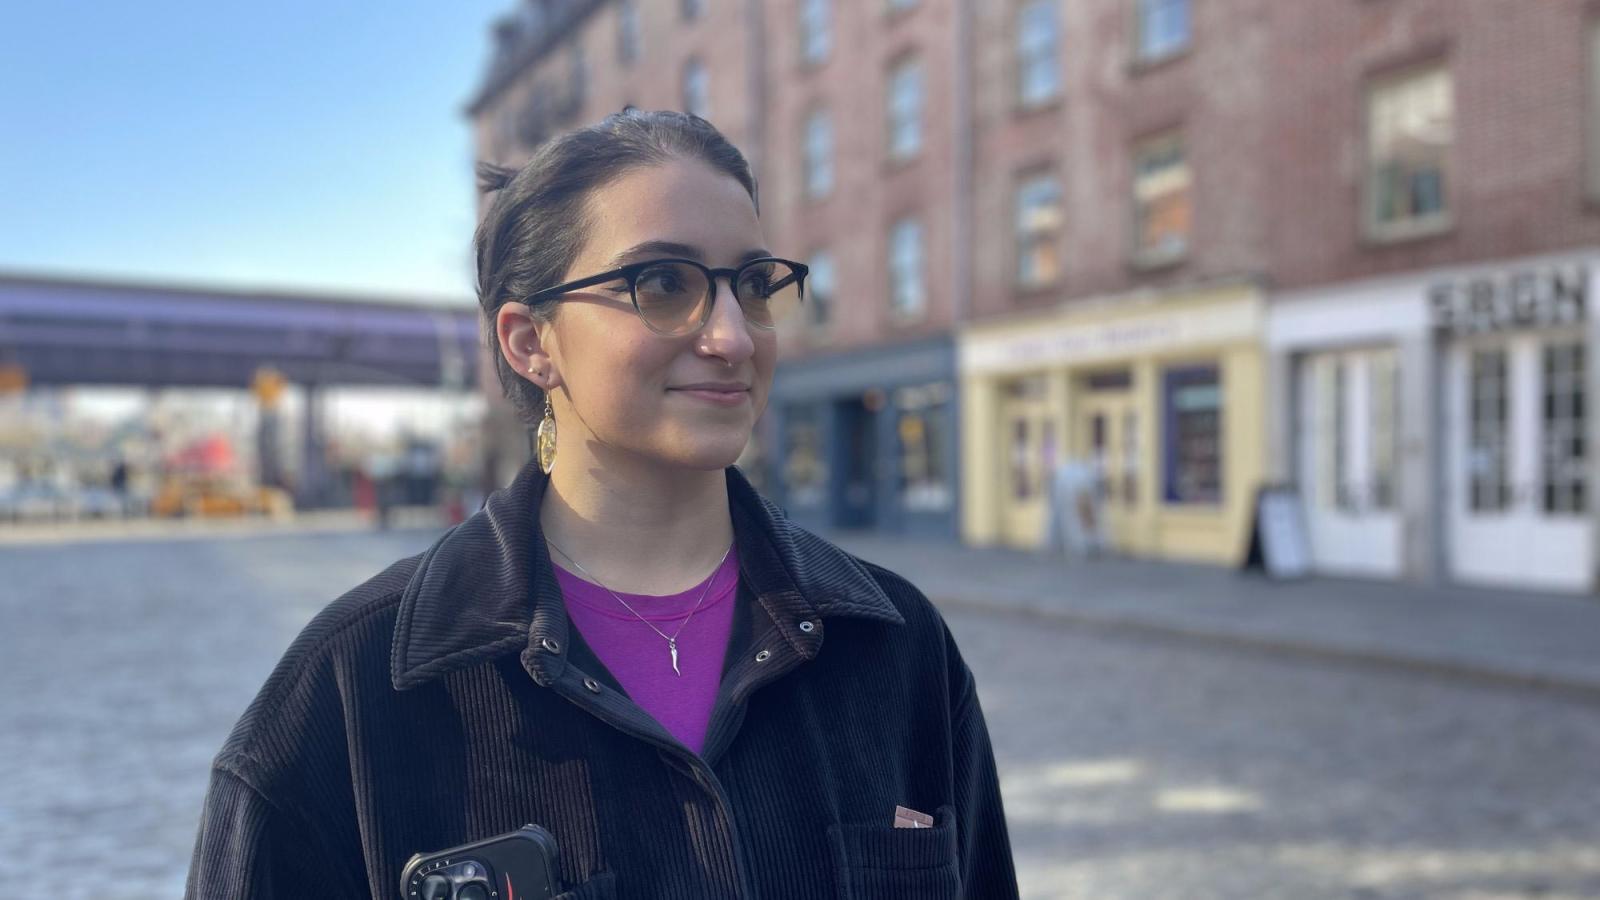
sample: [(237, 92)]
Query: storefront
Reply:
[(1437, 426), (1516, 430), (1161, 395), (1353, 398), (868, 440)]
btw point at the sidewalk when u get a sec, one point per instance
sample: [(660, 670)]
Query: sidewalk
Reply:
[(324, 521), (1514, 637)]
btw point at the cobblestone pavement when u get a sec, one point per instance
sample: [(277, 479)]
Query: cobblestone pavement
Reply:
[(1133, 766)]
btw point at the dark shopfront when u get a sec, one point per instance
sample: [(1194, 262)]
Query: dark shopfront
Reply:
[(869, 440)]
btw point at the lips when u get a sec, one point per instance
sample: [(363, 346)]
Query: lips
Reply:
[(718, 393), (719, 386)]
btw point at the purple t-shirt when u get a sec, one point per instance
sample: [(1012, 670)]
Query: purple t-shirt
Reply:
[(641, 659)]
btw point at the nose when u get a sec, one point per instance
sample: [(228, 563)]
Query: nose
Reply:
[(726, 334)]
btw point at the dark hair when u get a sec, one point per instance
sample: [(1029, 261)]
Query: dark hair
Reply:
[(537, 223)]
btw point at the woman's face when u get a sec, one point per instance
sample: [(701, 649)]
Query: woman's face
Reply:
[(685, 401)]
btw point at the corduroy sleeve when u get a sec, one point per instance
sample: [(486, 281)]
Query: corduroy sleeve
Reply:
[(249, 849), (987, 869)]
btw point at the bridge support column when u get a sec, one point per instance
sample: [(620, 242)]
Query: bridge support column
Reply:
[(311, 491)]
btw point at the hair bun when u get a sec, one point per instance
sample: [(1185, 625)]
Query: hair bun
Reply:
[(492, 177)]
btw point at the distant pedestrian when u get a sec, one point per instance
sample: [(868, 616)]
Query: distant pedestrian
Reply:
[(1076, 516), (629, 645)]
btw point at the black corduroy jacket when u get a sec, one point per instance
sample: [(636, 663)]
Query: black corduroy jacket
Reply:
[(447, 700)]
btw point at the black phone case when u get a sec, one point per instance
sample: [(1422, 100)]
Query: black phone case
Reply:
[(521, 865)]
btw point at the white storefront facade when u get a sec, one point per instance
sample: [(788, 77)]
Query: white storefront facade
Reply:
[(1437, 426)]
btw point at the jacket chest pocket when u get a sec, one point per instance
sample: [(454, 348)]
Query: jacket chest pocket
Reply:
[(881, 862)]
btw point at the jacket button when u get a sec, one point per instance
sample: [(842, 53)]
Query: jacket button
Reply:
[(592, 685), (763, 656), (551, 645), (807, 627)]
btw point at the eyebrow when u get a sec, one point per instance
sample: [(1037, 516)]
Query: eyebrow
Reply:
[(673, 248)]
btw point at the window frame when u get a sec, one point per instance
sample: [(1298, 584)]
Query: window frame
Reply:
[(1174, 379), (1563, 412), (810, 164), (1024, 241), (1489, 429), (1140, 256), (1143, 57), (1051, 50), (629, 32), (1592, 110), (696, 64), (904, 66), (815, 30), (917, 270), (821, 301), (1373, 230)]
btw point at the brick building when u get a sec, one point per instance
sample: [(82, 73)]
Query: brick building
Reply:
[(1196, 245)]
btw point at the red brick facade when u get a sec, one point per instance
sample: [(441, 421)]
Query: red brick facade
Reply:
[(1269, 98)]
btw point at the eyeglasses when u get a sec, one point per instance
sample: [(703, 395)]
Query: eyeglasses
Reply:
[(675, 296)]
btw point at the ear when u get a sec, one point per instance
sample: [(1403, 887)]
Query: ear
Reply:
[(526, 343)]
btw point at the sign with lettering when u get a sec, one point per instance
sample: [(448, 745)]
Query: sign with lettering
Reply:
[(1507, 301)]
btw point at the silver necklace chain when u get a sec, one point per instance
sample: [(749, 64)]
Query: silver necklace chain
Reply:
[(672, 640)]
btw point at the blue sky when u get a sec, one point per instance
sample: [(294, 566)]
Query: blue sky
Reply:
[(306, 145)]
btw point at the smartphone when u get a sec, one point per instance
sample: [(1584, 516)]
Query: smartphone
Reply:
[(518, 865)]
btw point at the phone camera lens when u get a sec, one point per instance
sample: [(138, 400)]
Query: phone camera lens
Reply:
[(473, 891), (436, 887)]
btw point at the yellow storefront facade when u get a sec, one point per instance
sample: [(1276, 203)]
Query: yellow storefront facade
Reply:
[(1162, 397)]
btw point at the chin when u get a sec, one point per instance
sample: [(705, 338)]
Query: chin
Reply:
[(708, 453)]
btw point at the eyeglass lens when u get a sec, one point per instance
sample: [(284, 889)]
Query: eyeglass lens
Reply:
[(675, 297)]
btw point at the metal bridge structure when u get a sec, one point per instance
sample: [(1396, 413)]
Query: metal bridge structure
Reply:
[(58, 332)]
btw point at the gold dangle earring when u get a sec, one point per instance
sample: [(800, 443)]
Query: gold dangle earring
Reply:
[(547, 432), (547, 438)]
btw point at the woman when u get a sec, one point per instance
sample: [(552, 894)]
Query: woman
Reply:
[(627, 646)]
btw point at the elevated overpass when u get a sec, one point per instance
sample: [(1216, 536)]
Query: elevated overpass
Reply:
[(60, 331)]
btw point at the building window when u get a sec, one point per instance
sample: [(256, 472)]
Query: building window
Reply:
[(1343, 497), (819, 154), (1488, 461), (696, 89), (822, 283), (1162, 28), (578, 83), (1565, 486), (816, 30), (1594, 111), (1383, 379), (1194, 435), (805, 470), (1038, 49), (907, 292), (905, 109), (923, 429), (693, 9), (1410, 127), (1038, 231), (1163, 200), (627, 31)]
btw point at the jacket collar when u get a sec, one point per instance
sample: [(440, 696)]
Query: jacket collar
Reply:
[(487, 586)]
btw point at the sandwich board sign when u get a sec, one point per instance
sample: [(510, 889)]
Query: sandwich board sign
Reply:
[(1279, 544)]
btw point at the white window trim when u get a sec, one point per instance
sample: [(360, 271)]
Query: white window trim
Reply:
[(818, 187), (1136, 37), (1141, 256), (919, 307), (906, 112), (1377, 232), (1052, 55)]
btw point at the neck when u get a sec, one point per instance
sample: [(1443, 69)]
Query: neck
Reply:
[(637, 530)]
